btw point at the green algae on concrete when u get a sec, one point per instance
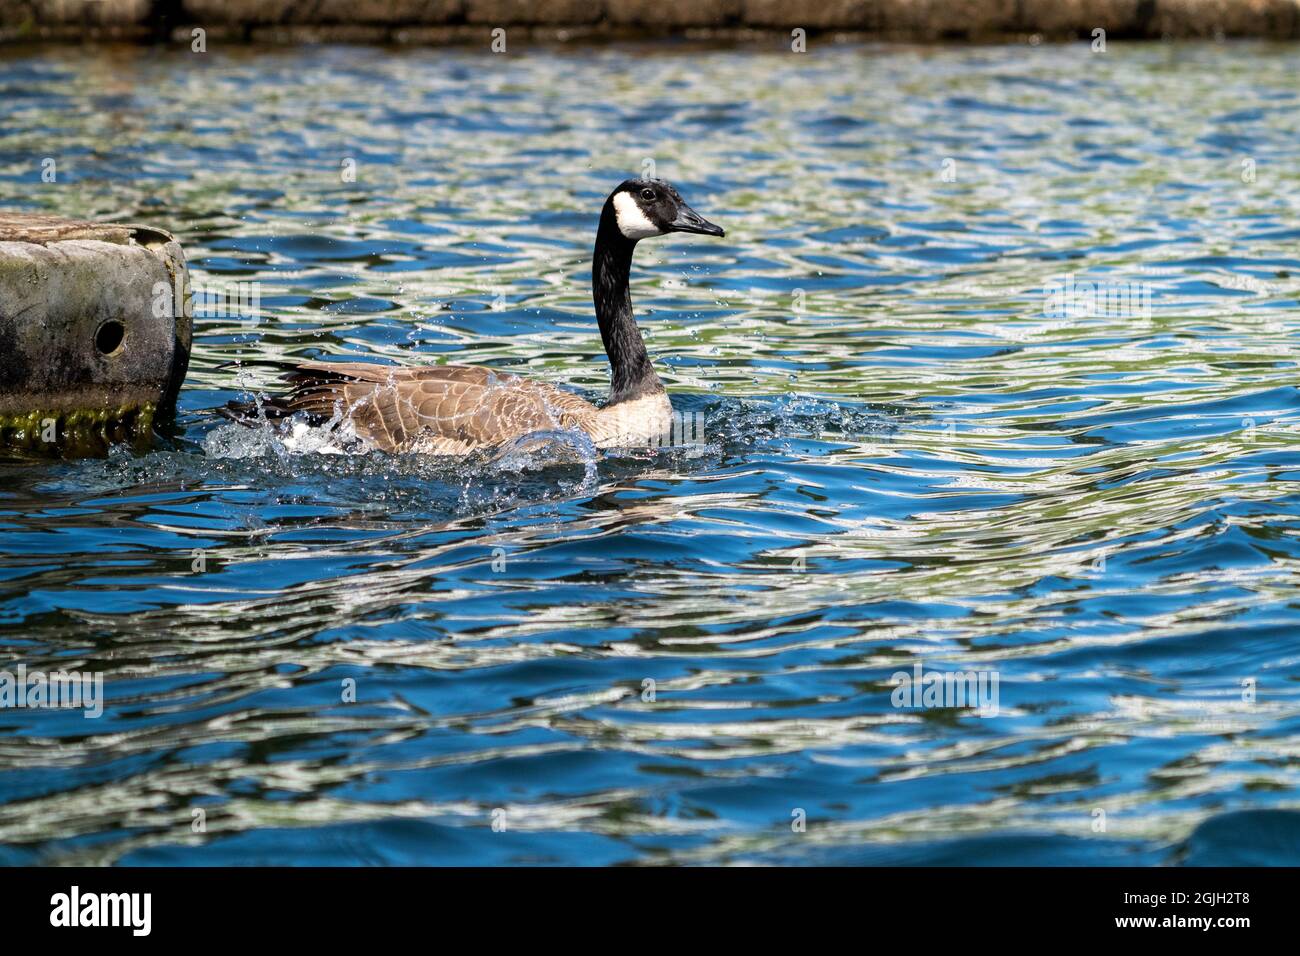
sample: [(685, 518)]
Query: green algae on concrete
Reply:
[(77, 434)]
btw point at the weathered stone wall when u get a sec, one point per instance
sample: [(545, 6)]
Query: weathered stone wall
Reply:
[(89, 357), (452, 21)]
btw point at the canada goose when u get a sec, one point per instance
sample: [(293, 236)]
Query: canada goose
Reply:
[(456, 409)]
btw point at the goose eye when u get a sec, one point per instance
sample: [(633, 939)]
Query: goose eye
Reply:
[(648, 195)]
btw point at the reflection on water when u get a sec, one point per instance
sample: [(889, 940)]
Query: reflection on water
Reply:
[(918, 448)]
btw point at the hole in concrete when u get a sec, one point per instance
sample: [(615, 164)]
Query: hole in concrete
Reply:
[(109, 337)]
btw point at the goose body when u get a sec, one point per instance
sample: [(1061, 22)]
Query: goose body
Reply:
[(458, 409)]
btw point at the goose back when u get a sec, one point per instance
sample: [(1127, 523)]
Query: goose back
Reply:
[(445, 409)]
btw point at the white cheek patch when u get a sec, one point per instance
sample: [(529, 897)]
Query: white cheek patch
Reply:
[(632, 221)]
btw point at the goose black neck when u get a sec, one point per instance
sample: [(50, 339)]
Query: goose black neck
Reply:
[(631, 374)]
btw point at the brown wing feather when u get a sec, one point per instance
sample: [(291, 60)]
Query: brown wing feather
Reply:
[(444, 409)]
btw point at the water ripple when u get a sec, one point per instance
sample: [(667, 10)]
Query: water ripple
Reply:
[(910, 457)]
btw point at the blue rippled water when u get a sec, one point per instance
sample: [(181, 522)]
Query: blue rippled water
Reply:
[(913, 455)]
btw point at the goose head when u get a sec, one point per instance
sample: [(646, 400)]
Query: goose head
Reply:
[(651, 207)]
